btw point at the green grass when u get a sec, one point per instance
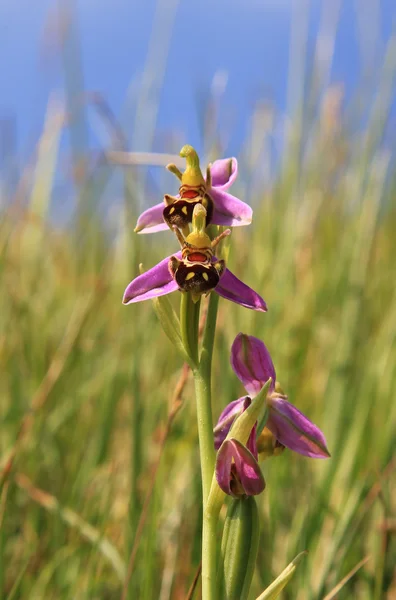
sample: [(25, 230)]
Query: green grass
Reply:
[(87, 384)]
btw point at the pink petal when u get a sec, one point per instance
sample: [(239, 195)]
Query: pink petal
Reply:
[(228, 210), (226, 419), (294, 430), (224, 172), (151, 220), (157, 281), (234, 289), (237, 471), (252, 363)]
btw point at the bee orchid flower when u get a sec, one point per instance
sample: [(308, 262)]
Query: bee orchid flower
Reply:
[(222, 208), (159, 281), (253, 366), (194, 269)]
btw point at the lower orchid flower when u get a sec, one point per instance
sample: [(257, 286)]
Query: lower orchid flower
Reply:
[(252, 364), (194, 270), (237, 470), (158, 281)]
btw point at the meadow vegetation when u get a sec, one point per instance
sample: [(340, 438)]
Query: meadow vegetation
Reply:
[(98, 442)]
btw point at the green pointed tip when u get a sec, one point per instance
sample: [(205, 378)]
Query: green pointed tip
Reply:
[(296, 561), (257, 411), (138, 229), (199, 219), (195, 297), (192, 176), (275, 589), (190, 154)]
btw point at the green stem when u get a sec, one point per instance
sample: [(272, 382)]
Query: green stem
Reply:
[(203, 383), (207, 456), (209, 556), (202, 370), (189, 321), (203, 391), (205, 430), (209, 335)]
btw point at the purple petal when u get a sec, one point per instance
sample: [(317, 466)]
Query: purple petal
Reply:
[(228, 210), (151, 220), (252, 363), (226, 419), (224, 172), (234, 289), (294, 430), (155, 282), (237, 471)]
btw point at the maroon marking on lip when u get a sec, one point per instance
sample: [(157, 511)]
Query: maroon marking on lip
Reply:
[(190, 194), (197, 257)]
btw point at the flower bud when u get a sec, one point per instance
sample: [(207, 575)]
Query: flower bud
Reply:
[(237, 470), (239, 549)]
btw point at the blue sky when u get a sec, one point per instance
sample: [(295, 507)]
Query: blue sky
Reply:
[(166, 54)]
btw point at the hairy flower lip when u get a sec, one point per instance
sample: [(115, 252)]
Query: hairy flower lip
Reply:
[(253, 366), (228, 210), (158, 281)]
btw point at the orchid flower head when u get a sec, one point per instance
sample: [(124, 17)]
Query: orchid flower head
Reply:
[(289, 427), (211, 192)]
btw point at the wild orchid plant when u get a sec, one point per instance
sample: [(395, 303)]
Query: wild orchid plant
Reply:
[(262, 423)]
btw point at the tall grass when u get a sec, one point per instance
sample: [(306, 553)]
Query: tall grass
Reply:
[(93, 433)]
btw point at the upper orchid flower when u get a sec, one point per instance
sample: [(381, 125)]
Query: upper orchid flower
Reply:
[(194, 270), (252, 364), (222, 208)]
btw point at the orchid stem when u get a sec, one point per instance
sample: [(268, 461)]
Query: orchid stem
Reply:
[(202, 371), (205, 430), (209, 335), (203, 383), (189, 320)]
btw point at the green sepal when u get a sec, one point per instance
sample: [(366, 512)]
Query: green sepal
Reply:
[(261, 423), (272, 592), (244, 424), (199, 219), (239, 547), (170, 324)]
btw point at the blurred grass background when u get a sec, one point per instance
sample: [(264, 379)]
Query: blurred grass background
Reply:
[(97, 414)]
